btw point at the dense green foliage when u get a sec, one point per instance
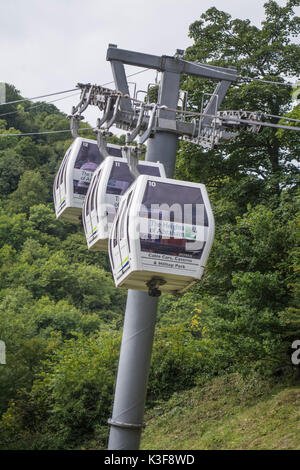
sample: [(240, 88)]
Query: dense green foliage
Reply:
[(60, 314)]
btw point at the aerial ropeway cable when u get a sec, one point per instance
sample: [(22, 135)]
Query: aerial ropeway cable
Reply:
[(37, 97), (218, 117), (34, 106)]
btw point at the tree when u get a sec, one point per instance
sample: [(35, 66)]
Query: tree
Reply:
[(265, 53), (70, 401), (31, 191), (250, 289), (11, 168), (12, 94), (28, 152)]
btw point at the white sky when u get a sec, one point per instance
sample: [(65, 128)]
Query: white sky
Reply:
[(51, 45)]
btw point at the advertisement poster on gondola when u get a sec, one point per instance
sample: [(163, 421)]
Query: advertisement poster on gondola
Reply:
[(171, 245), (87, 161)]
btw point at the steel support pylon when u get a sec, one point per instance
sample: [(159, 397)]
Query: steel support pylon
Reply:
[(140, 315)]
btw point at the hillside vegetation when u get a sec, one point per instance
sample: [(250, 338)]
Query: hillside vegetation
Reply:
[(61, 316), (227, 413)]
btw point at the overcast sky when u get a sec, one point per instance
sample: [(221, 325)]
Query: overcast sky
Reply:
[(51, 45)]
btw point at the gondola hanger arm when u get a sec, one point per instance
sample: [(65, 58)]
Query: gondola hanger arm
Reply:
[(103, 134), (74, 125), (86, 103), (132, 135), (81, 101), (102, 137), (115, 113), (150, 127), (106, 113), (131, 154), (76, 117)]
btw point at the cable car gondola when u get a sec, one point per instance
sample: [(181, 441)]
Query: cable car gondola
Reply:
[(74, 176), (110, 181), (161, 236)]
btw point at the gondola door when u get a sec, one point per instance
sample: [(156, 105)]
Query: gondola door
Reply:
[(114, 247), (59, 187), (94, 216), (124, 234), (90, 216)]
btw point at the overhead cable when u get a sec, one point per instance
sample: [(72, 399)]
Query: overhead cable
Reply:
[(37, 97), (43, 132), (52, 94), (191, 113), (38, 105)]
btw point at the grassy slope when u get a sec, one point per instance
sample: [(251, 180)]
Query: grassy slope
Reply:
[(227, 413)]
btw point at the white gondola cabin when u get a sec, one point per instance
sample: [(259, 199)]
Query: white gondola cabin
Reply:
[(161, 236), (110, 181), (74, 176)]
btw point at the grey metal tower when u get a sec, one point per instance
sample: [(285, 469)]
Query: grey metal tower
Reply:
[(140, 315)]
